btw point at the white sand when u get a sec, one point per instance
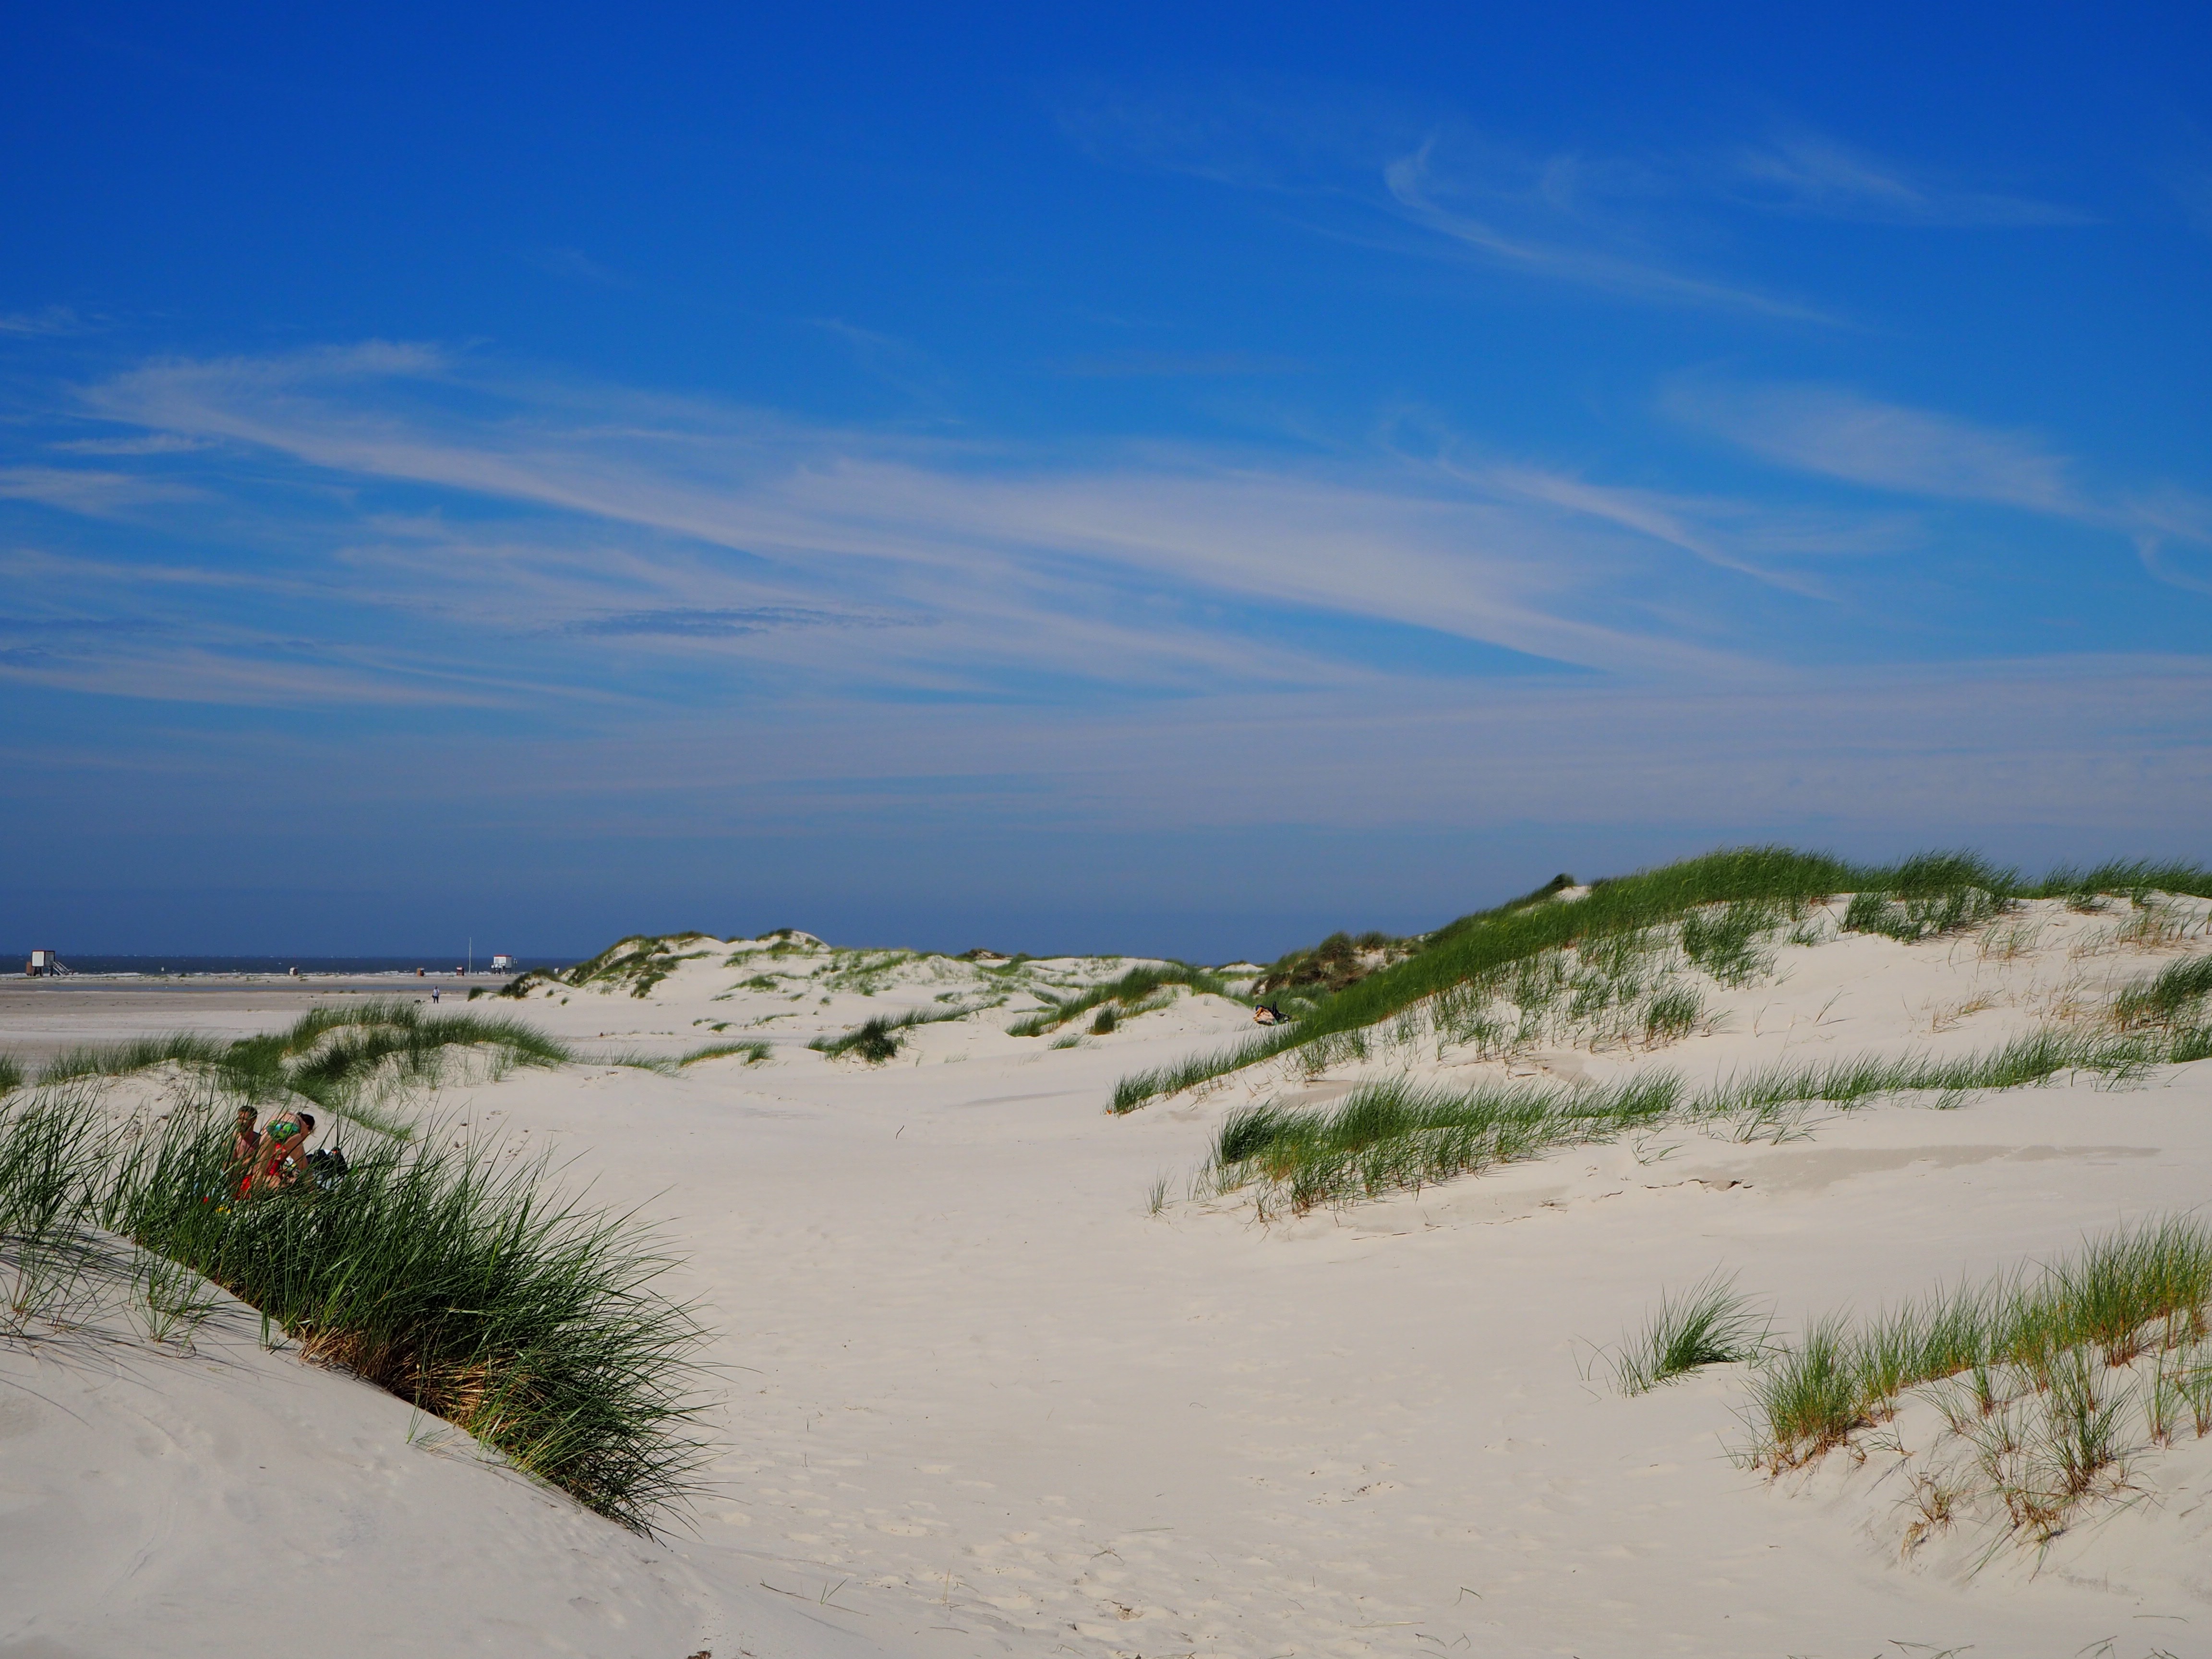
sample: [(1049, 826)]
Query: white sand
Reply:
[(980, 1401)]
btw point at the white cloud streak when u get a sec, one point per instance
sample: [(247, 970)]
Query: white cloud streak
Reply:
[(1027, 550), (1841, 434), (1603, 222), (1816, 176), (699, 600), (87, 490), (48, 321), (1413, 187), (1828, 430)]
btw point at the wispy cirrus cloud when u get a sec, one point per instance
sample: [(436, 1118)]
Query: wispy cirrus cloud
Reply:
[(652, 585), (1812, 174), (1149, 568), (1843, 434), (1419, 185), (1618, 223), (159, 651), (1565, 217), (1684, 524), (2168, 516), (1840, 433), (45, 322), (150, 443), (88, 490), (698, 623), (1043, 559)]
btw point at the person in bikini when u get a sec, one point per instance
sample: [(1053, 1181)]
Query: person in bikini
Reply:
[(278, 1162)]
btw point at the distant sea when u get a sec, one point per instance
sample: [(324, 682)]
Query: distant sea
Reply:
[(354, 965)]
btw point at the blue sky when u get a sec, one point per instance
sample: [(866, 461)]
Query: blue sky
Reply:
[(1135, 480)]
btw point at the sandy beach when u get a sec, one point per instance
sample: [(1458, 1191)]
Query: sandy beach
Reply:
[(977, 1397), (42, 1017)]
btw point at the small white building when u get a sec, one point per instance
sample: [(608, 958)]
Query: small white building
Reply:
[(42, 963), (502, 963)]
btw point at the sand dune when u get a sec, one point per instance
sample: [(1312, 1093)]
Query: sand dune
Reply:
[(980, 1399)]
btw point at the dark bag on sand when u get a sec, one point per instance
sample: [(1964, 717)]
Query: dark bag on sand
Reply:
[(326, 1166)]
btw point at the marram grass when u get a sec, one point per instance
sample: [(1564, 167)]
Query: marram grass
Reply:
[(453, 1276), (1392, 1136), (2130, 1293), (1711, 1323), (880, 1038), (1919, 897), (753, 1053), (133, 1055), (1123, 995), (331, 1056), (2049, 1381), (2175, 994)]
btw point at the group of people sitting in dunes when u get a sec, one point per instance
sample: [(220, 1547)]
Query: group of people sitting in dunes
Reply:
[(267, 1160)]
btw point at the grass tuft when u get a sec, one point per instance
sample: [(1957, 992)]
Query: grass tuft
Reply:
[(636, 1060), (1918, 916), (334, 1054), (1122, 995), (639, 961), (1672, 1014), (879, 1039), (2133, 879), (1393, 1137), (1709, 1324), (2166, 999), (1140, 1087), (1726, 942), (1810, 1394), (754, 1052)]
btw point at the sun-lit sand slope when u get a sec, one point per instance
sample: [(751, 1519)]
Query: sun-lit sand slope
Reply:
[(982, 1396), (229, 1500)]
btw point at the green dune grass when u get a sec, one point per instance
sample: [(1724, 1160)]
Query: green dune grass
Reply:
[(1124, 995), (453, 1276), (1393, 1136), (753, 1053), (879, 1039), (1711, 1323), (331, 1055), (1918, 897), (2035, 1373)]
